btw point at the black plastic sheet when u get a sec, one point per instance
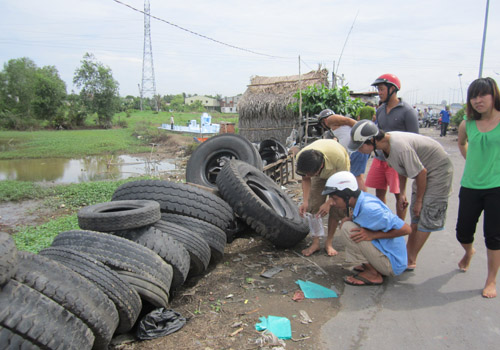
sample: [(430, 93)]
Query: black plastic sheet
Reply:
[(159, 323)]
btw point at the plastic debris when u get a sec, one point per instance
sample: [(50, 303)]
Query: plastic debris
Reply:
[(304, 317), (279, 326), (269, 339), (271, 272), (158, 323), (315, 291), (298, 296)]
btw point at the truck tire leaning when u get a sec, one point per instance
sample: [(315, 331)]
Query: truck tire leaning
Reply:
[(8, 257), (262, 204), (73, 292), (166, 247), (40, 321), (214, 236), (208, 158), (126, 300), (179, 198), (198, 248), (118, 215)]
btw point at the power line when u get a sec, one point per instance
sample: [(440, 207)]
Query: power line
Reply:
[(198, 34)]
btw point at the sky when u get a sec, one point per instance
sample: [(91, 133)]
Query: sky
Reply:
[(427, 44)]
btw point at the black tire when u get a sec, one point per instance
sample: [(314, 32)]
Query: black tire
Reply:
[(40, 320), (148, 291), (214, 236), (208, 159), (271, 151), (198, 249), (73, 292), (8, 257), (166, 247), (262, 204), (126, 300), (179, 199), (118, 215)]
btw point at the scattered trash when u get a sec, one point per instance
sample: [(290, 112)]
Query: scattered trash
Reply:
[(158, 323), (298, 296), (305, 319), (268, 338), (236, 324), (271, 272), (229, 296), (279, 326), (315, 291), (236, 332)]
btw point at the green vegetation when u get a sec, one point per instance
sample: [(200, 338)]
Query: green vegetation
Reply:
[(70, 197), (315, 99)]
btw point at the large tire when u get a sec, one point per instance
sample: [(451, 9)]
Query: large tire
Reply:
[(262, 204), (179, 199), (8, 258), (198, 249), (166, 247), (148, 291), (119, 254), (208, 159), (40, 321), (73, 292), (214, 236), (118, 215), (126, 300)]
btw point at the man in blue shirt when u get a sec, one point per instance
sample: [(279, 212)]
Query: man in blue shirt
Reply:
[(445, 120), (372, 233)]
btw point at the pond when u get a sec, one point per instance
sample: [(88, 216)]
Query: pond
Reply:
[(93, 168)]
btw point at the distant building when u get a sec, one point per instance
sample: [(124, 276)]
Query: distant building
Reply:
[(369, 96), (211, 104), (229, 104)]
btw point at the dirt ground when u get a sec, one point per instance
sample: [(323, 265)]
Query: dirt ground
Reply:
[(223, 305)]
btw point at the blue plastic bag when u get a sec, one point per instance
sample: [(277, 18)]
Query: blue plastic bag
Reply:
[(279, 326)]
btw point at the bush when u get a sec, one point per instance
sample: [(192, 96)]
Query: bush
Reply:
[(149, 133), (458, 117)]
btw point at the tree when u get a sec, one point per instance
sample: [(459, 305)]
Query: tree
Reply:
[(49, 93), (315, 99), (99, 90), (17, 86)]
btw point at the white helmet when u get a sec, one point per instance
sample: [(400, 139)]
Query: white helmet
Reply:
[(339, 182), (342, 184), (361, 132)]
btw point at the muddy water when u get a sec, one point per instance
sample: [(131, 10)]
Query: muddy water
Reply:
[(93, 168)]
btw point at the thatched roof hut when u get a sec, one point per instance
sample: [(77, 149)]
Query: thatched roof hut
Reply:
[(263, 111)]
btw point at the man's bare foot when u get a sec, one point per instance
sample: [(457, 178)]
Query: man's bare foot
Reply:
[(313, 248), (330, 251), (463, 264), (490, 290)]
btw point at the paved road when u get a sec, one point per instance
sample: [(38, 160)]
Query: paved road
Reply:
[(434, 307)]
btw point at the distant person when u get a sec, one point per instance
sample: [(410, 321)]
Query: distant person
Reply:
[(479, 143), (445, 120), (367, 112), (392, 115), (316, 163), (172, 122), (373, 235), (416, 157), (340, 128)]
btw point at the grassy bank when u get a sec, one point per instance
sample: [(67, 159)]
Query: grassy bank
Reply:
[(63, 199), (80, 143)]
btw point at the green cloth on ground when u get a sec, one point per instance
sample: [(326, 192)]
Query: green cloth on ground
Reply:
[(279, 326), (315, 291)]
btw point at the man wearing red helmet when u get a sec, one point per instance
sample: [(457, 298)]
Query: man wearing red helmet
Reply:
[(392, 115)]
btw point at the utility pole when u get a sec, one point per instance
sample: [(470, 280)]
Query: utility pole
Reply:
[(484, 39), (460, 80), (148, 86)]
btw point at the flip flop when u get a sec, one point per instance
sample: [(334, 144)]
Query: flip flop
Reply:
[(410, 269), (362, 279), (358, 268)]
